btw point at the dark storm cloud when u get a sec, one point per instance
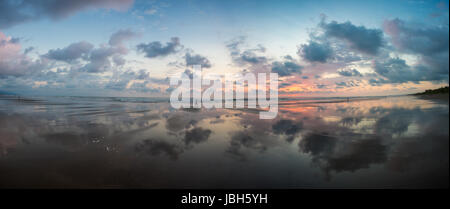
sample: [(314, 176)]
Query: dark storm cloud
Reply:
[(195, 59), (120, 36), (349, 72), (157, 49), (196, 135), (365, 40), (16, 12), (286, 68), (315, 52), (70, 53)]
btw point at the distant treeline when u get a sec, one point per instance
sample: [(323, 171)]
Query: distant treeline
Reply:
[(442, 90)]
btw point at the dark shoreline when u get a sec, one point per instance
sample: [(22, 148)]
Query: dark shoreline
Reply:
[(438, 97)]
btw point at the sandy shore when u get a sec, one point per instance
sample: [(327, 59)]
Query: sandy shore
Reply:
[(439, 97)]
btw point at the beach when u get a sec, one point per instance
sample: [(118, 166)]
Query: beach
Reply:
[(95, 142)]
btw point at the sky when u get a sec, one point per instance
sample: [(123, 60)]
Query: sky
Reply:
[(130, 48)]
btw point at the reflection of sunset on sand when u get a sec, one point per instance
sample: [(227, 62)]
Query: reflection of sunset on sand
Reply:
[(111, 142)]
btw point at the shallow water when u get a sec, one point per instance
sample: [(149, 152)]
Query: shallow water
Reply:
[(87, 142)]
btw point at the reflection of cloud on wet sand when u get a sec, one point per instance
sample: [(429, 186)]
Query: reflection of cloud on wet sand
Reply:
[(396, 142), (241, 140), (287, 127), (347, 153), (171, 148), (196, 135), (157, 147)]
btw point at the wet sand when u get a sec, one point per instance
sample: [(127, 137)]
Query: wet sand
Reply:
[(73, 142), (437, 97)]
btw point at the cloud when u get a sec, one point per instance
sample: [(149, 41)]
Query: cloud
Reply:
[(13, 62), (120, 36), (28, 50), (99, 59), (430, 43), (349, 72), (248, 56), (189, 73), (70, 53), (417, 39), (16, 12), (348, 84), (395, 70), (195, 59), (235, 44), (321, 86), (315, 52), (286, 68), (377, 81), (156, 48), (95, 60), (365, 40), (137, 81), (9, 14)]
